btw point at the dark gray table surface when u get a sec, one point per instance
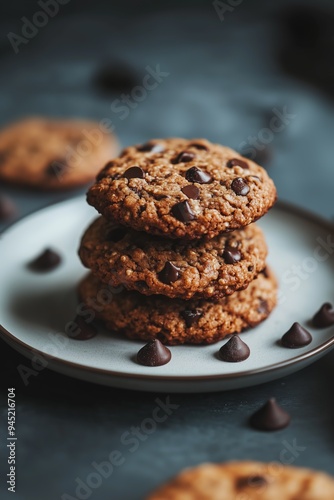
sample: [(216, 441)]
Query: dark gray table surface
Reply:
[(224, 82)]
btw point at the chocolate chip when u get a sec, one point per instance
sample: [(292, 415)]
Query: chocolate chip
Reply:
[(263, 307), (234, 351), (198, 145), (184, 157), (46, 261), (190, 316), (250, 269), (231, 255), (169, 274), (7, 208), (256, 481), (154, 353), (191, 191), (116, 234), (240, 187), (271, 417), (80, 330), (134, 173), (296, 337), (324, 317), (195, 174), (182, 211), (236, 162), (57, 168), (150, 147), (116, 77), (265, 272)]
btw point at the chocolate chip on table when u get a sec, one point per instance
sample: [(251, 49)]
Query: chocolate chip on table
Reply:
[(236, 162), (79, 329), (116, 234), (191, 316), (7, 208), (234, 351), (46, 261), (324, 317), (150, 147), (184, 157), (231, 255), (116, 77), (195, 174), (255, 481), (134, 173), (296, 337), (271, 417), (169, 274), (191, 191), (154, 353), (240, 186), (182, 211)]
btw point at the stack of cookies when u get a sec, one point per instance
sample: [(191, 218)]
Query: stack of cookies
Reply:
[(176, 254)]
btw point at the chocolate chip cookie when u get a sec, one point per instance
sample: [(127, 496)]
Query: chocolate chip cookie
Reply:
[(176, 321), (247, 481), (54, 154), (182, 188), (175, 268)]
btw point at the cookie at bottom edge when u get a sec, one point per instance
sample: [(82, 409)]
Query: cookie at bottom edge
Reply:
[(247, 480), (176, 321)]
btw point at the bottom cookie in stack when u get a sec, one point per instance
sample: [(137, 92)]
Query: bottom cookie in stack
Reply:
[(177, 321)]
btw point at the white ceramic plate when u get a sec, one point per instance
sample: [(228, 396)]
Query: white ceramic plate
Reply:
[(34, 308)]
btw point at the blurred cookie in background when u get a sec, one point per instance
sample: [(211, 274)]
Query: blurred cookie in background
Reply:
[(247, 481), (50, 154)]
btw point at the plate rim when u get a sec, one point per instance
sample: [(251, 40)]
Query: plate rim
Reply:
[(11, 339), (14, 342)]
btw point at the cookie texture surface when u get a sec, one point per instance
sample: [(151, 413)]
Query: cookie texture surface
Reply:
[(175, 268), (54, 154), (247, 481), (176, 321), (182, 188)]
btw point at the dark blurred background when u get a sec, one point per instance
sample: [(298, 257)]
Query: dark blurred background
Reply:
[(255, 75), (229, 68)]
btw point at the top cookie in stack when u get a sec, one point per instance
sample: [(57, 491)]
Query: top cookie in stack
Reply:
[(181, 188)]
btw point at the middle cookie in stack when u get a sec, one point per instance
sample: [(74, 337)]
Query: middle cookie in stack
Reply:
[(191, 192)]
